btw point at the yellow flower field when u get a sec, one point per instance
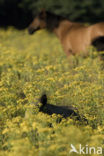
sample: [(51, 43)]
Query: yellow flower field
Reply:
[(31, 66)]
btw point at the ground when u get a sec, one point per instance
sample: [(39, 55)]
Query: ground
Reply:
[(31, 66)]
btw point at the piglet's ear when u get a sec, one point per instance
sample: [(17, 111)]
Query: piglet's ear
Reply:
[(42, 13)]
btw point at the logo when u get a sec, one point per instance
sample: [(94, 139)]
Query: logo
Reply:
[(86, 150)]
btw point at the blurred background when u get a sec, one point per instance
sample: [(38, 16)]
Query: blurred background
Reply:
[(19, 13)]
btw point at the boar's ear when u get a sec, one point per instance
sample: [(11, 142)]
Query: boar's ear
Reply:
[(42, 14)]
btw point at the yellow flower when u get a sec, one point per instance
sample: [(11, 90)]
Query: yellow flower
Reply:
[(5, 131)]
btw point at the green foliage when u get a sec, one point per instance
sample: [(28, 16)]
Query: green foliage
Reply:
[(74, 10), (20, 11), (31, 65)]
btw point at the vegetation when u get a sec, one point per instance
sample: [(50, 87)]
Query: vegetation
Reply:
[(19, 12), (32, 65), (74, 10)]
